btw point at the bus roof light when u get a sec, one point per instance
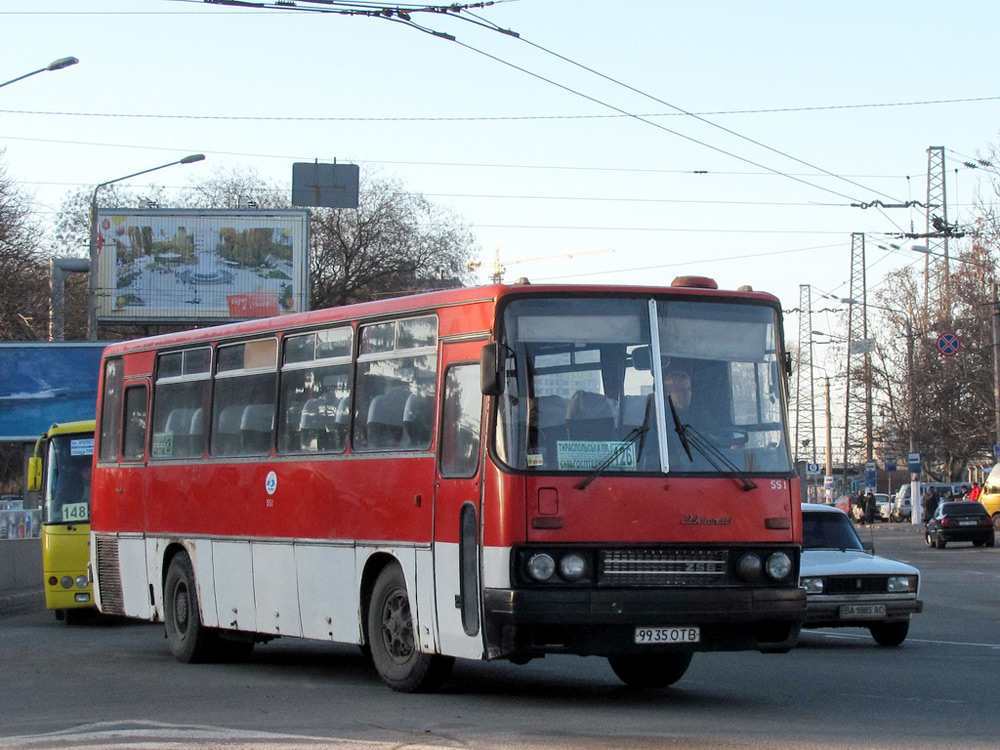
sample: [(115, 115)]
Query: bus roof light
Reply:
[(695, 282)]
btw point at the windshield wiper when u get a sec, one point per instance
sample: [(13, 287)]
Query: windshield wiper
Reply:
[(691, 437), (637, 433), (680, 428)]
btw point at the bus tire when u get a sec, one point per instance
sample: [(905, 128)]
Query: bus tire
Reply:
[(394, 649), (190, 641), (650, 670)]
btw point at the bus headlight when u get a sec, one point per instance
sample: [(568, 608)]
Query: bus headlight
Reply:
[(572, 567), (749, 567), (779, 566), (66, 582), (81, 582), (541, 566)]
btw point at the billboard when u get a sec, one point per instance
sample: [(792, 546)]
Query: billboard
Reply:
[(45, 383), (200, 265)]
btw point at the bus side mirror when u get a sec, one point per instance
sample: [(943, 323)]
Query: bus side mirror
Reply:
[(491, 370), (34, 473)]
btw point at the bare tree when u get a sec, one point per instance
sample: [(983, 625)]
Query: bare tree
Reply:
[(23, 270), (395, 242)]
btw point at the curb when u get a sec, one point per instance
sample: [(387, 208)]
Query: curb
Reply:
[(21, 602)]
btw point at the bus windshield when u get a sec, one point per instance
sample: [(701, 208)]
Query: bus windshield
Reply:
[(67, 480), (641, 385)]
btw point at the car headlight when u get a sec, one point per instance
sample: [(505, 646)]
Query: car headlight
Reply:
[(902, 584), (572, 567), (541, 567), (779, 566), (812, 585)]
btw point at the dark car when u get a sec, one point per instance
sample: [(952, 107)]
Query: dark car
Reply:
[(959, 521)]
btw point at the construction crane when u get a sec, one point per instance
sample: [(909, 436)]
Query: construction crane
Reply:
[(500, 266)]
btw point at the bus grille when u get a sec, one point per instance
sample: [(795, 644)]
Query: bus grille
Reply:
[(109, 576), (663, 567)]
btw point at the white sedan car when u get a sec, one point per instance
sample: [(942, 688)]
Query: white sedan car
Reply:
[(847, 586)]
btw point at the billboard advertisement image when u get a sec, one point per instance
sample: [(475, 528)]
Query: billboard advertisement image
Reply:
[(204, 266)]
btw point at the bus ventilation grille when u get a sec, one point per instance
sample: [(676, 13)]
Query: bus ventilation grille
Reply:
[(662, 567), (109, 576)]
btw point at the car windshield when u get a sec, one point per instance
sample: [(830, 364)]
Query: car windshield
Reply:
[(821, 530), (633, 384)]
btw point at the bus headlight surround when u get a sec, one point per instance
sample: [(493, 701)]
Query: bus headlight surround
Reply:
[(572, 567), (541, 567), (779, 566)]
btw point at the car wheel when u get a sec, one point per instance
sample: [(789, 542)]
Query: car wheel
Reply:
[(991, 541), (890, 633), (929, 539), (650, 671), (941, 543), (996, 521)]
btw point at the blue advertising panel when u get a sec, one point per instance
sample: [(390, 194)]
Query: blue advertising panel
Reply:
[(45, 383)]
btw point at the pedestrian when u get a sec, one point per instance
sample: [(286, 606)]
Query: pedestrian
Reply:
[(869, 506), (929, 503), (975, 492)]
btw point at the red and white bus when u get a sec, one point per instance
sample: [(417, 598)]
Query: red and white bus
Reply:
[(483, 473)]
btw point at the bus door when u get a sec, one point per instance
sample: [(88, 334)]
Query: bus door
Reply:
[(457, 505)]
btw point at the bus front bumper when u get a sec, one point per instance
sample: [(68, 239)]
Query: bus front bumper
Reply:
[(604, 621)]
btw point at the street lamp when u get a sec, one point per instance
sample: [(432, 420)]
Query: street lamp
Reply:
[(62, 62), (94, 249)]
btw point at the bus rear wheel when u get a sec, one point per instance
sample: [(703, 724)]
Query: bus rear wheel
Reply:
[(394, 649), (650, 670), (190, 641)]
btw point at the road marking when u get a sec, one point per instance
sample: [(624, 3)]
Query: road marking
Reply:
[(155, 735), (931, 641)]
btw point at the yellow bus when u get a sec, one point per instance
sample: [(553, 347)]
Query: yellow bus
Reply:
[(60, 470)]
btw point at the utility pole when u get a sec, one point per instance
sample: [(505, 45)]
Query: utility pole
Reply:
[(857, 323), (805, 395), (937, 235)]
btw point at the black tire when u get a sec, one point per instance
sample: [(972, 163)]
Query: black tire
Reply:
[(190, 641), (991, 541), (996, 521), (941, 543), (394, 649), (650, 670), (890, 633), (929, 539)]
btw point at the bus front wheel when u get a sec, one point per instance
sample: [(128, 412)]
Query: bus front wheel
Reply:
[(190, 641), (650, 670), (393, 642)]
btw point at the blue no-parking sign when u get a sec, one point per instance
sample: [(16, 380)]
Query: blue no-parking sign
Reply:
[(949, 344)]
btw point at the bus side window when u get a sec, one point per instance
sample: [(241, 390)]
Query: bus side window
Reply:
[(111, 408), (460, 424), (134, 438)]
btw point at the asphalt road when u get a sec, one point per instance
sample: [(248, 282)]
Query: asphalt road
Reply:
[(114, 684)]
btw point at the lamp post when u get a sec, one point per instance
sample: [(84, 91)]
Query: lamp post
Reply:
[(94, 243), (62, 62)]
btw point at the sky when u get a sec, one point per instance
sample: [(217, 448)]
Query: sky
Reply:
[(610, 142)]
